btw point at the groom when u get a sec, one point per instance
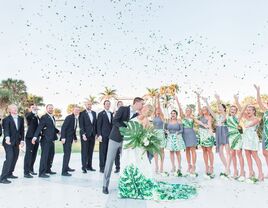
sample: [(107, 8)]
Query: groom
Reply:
[(124, 114)]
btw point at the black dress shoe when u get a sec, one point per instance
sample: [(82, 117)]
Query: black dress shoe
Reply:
[(91, 169), (51, 172), (71, 170), (12, 176), (66, 174), (105, 190), (117, 171), (101, 171), (44, 176), (5, 181), (84, 170), (28, 175), (33, 173)]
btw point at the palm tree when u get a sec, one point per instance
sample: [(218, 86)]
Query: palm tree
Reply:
[(5, 98), (18, 90), (93, 100), (108, 94), (151, 95), (57, 113), (38, 100)]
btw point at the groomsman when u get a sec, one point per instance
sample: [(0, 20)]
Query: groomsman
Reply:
[(117, 158), (31, 149), (88, 130), (124, 114), (0, 128), (49, 131), (13, 137), (68, 135), (104, 127)]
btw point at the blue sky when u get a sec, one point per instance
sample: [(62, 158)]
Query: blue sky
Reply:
[(66, 50)]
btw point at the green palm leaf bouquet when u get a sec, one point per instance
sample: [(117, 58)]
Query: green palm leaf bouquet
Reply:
[(136, 136)]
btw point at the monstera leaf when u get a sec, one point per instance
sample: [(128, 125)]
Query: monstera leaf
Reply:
[(132, 133)]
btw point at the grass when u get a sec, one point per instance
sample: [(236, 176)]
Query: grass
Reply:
[(76, 148)]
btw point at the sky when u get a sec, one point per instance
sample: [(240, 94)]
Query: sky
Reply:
[(67, 50)]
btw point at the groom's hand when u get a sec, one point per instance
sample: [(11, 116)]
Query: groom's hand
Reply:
[(84, 137)]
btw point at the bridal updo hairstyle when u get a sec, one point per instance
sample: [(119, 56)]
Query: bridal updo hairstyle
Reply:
[(147, 110)]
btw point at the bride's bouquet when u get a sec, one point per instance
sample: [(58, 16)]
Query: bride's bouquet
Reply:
[(136, 136)]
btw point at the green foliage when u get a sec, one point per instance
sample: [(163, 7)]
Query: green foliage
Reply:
[(136, 136)]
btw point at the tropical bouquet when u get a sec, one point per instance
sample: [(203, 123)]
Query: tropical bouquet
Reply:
[(170, 90), (167, 94), (136, 136)]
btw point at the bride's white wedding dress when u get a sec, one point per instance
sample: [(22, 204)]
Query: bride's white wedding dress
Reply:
[(136, 157), (136, 179)]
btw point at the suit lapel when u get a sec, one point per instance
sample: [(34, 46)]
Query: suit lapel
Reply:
[(14, 124), (128, 113)]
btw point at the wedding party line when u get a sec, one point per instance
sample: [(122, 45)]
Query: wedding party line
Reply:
[(231, 130)]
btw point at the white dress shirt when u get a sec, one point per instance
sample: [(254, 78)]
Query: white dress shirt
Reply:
[(15, 118), (89, 112), (109, 115)]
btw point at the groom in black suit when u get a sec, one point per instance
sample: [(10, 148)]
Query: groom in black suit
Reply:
[(124, 114), (49, 131), (68, 135), (13, 137), (31, 149), (104, 127), (88, 131)]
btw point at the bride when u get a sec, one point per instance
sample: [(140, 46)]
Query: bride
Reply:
[(136, 178)]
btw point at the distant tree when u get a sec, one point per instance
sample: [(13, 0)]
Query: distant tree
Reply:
[(57, 113), (5, 99), (93, 99), (70, 108), (18, 91), (108, 93)]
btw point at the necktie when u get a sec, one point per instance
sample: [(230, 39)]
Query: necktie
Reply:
[(75, 123)]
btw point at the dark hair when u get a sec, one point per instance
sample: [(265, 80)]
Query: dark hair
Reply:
[(106, 101), (49, 105), (119, 102), (31, 104), (175, 112), (224, 107), (137, 99)]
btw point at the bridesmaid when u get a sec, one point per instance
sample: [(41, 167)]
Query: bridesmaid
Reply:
[(222, 141), (175, 142), (235, 138), (206, 137), (264, 108), (251, 142), (158, 123), (189, 137)]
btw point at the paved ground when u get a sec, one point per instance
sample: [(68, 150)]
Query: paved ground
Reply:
[(84, 190)]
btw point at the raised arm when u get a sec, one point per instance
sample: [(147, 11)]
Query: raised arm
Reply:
[(237, 103), (180, 108), (198, 104), (158, 106), (219, 103), (242, 113), (209, 108), (259, 101)]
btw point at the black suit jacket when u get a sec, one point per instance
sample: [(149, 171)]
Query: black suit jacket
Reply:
[(68, 130), (121, 116), (104, 126), (0, 128), (86, 127), (10, 130), (48, 129), (32, 123)]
